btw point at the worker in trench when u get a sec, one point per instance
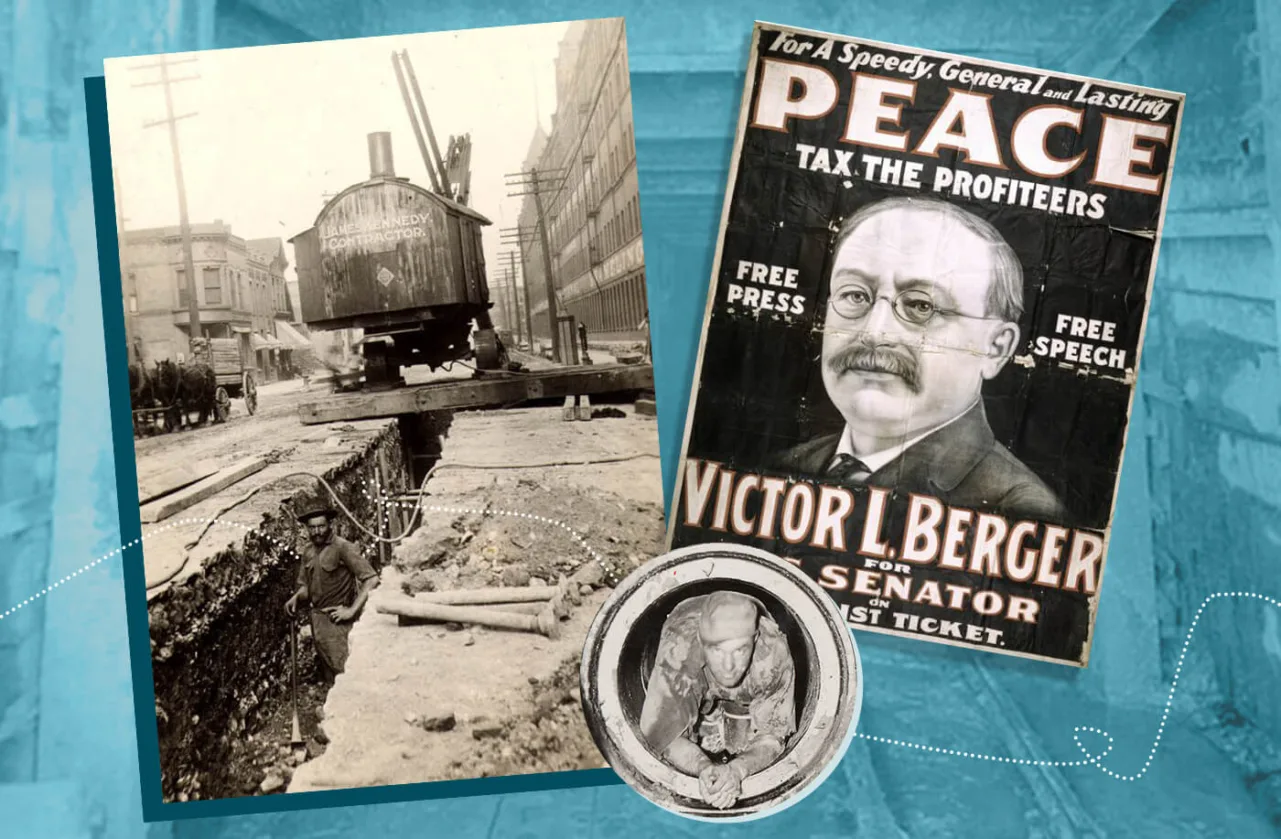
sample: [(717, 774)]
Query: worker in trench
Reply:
[(336, 580), (720, 703)]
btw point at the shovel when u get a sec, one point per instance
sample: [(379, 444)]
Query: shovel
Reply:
[(295, 739)]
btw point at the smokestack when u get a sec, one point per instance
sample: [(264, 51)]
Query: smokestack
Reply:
[(380, 162)]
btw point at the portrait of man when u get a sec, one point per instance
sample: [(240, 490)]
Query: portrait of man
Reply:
[(335, 580), (924, 306), (720, 701)]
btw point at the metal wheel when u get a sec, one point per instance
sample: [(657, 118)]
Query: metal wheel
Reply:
[(490, 353), (222, 405), (250, 390)]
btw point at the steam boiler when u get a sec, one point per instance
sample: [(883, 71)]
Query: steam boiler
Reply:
[(403, 264)]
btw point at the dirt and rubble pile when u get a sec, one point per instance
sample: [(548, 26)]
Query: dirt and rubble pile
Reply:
[(478, 541), (552, 738)]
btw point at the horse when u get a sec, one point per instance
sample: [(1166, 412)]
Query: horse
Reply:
[(199, 387), (141, 397), (168, 393), (141, 393)]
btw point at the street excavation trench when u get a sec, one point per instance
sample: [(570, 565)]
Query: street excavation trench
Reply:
[(420, 700)]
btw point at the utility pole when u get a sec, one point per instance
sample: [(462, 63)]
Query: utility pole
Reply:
[(515, 298), (534, 181), (504, 305), (509, 303), (189, 268), (521, 237)]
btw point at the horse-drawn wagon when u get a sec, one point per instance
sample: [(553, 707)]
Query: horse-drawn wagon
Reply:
[(234, 379), (165, 397)]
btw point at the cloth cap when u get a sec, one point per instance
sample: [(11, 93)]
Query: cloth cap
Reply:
[(726, 615)]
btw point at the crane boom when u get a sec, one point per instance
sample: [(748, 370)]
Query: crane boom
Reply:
[(413, 121), (422, 109)]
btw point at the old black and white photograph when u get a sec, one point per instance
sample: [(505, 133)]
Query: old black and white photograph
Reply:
[(923, 334), (392, 399), (721, 683)]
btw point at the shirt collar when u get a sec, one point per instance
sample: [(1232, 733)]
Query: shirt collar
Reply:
[(874, 461)]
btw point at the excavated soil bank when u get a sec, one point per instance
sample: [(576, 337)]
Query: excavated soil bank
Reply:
[(220, 640)]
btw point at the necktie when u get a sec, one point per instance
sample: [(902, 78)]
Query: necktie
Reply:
[(848, 469)]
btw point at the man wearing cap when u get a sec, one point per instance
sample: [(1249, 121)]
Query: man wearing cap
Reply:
[(336, 579), (723, 685)]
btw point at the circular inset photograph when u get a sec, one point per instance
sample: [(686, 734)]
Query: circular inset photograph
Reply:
[(721, 683)]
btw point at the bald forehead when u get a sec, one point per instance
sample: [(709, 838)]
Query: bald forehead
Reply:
[(908, 246)]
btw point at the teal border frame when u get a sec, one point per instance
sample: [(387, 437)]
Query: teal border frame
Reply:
[(154, 808)]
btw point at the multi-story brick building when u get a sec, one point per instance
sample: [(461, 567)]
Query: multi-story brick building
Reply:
[(592, 206), (240, 291)]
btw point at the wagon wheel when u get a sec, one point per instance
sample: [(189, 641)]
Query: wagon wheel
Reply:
[(222, 405), (250, 391)]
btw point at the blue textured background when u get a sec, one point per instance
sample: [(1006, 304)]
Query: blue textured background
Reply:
[(1197, 513)]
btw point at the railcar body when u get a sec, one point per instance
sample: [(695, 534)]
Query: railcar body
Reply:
[(403, 264)]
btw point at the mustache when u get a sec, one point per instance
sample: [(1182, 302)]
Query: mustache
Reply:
[(877, 358)]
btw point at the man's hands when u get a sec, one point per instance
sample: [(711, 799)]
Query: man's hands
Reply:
[(721, 785), (340, 614)]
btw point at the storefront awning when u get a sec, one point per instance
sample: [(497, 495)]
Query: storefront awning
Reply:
[(291, 338), (264, 342)]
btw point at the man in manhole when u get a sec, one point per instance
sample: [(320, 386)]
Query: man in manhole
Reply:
[(336, 580), (720, 703)]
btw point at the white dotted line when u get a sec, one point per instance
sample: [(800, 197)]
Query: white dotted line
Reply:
[(120, 550), (1076, 731), (65, 579), (1089, 759), (574, 534), (1174, 684), (998, 758), (387, 503)]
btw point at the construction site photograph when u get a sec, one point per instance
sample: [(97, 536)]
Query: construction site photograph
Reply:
[(392, 400)]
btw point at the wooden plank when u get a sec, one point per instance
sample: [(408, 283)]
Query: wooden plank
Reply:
[(153, 486), (485, 392), (181, 500)]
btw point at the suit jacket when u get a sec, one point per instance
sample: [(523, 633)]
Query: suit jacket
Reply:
[(961, 464)]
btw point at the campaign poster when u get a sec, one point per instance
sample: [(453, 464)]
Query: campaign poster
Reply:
[(923, 332)]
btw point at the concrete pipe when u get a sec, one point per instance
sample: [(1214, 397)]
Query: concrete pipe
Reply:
[(513, 608), (544, 622), (559, 607), (488, 596), (622, 644)]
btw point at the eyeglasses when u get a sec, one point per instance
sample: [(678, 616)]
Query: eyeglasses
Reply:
[(913, 307)]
